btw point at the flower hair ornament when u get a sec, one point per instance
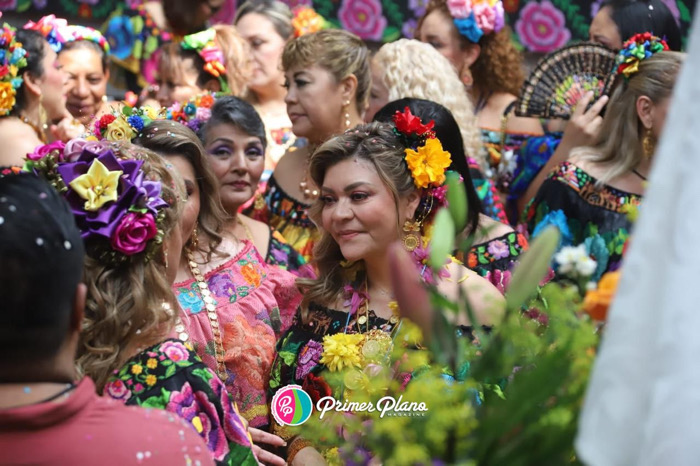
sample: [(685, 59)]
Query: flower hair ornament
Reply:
[(12, 59), (53, 29), (74, 33), (118, 211), (477, 18), (204, 44), (307, 21), (639, 47)]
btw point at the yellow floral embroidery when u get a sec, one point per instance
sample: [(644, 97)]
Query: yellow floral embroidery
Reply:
[(151, 380), (152, 363), (136, 369), (98, 186)]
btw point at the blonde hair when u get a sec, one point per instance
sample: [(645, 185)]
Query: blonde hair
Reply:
[(236, 60), (278, 13), (619, 142), (169, 138), (378, 144), (339, 52), (124, 308), (415, 69)]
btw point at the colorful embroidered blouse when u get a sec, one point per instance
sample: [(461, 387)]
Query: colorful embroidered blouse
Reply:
[(283, 255), (255, 304), (597, 217), (495, 258), (286, 215), (134, 39), (171, 376), (491, 204)]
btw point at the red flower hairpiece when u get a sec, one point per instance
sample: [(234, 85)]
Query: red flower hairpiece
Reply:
[(410, 125)]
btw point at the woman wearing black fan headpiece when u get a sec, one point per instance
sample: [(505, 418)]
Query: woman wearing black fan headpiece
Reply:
[(590, 196)]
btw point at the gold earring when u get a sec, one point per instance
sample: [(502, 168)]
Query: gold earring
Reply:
[(410, 237), (194, 240), (648, 144), (43, 117), (347, 115), (165, 257)]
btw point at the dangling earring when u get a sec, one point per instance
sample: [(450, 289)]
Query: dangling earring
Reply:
[(194, 239), (648, 144), (410, 237), (347, 115), (165, 258), (43, 117)]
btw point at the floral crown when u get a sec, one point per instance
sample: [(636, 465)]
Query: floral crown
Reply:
[(12, 59), (639, 47), (477, 18), (53, 29), (74, 33), (306, 21), (204, 44), (425, 156), (118, 210)]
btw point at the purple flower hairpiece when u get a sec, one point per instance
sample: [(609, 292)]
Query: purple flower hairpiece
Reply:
[(117, 209)]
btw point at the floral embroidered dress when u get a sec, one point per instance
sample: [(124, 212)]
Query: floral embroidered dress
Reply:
[(299, 350), (283, 255), (491, 204), (597, 217), (255, 304), (134, 39), (495, 258), (286, 215), (172, 377)]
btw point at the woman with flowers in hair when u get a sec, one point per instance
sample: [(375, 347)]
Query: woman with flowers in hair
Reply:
[(85, 59), (380, 184), (32, 103), (127, 204), (592, 196), (473, 35), (213, 60)]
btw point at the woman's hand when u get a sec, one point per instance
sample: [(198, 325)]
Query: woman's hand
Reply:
[(584, 125), (264, 456), (66, 129)]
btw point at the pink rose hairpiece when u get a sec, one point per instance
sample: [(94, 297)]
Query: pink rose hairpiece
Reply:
[(117, 209), (477, 18), (53, 29), (205, 45), (74, 33)]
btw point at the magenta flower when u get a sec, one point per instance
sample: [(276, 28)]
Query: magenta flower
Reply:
[(175, 351), (363, 18), (308, 358), (42, 151), (234, 426), (75, 147), (133, 232), (542, 27), (118, 390), (198, 411)]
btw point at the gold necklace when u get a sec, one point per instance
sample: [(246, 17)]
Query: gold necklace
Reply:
[(248, 233), (210, 304), (309, 194), (363, 313), (37, 129)]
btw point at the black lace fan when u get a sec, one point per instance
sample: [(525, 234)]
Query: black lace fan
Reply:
[(563, 77)]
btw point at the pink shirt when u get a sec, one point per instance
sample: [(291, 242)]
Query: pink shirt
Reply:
[(255, 305), (88, 429)]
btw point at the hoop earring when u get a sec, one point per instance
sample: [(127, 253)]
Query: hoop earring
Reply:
[(347, 115), (410, 237), (648, 144)]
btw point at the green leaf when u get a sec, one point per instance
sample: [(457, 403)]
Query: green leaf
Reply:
[(684, 11), (532, 268), (127, 111), (170, 371), (457, 200), (443, 239), (391, 34)]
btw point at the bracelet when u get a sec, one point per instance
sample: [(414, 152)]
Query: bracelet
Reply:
[(295, 447)]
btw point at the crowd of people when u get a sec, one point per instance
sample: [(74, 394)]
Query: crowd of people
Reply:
[(172, 260)]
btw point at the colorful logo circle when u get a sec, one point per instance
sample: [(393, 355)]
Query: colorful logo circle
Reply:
[(291, 406)]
